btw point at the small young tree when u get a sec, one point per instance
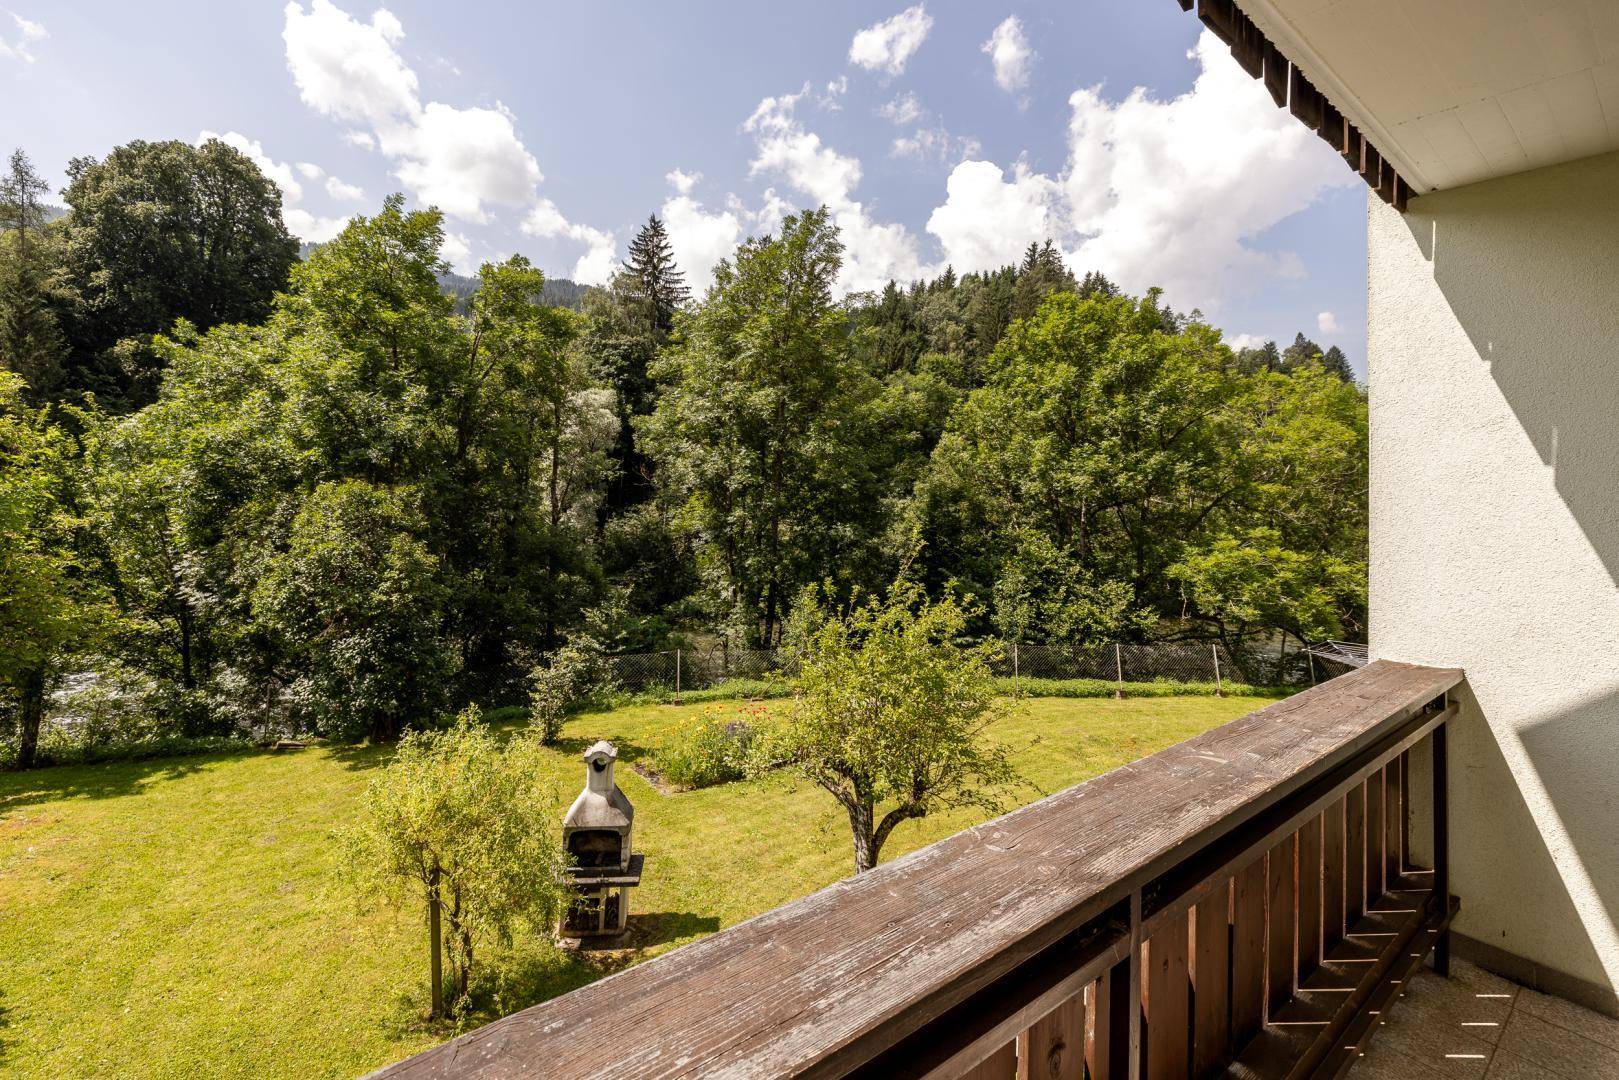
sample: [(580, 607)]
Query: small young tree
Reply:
[(468, 826), (892, 714)]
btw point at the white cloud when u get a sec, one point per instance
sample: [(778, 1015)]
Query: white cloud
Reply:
[(700, 237), (300, 221), (936, 144), (904, 109), (18, 44), (1011, 54), (462, 160), (872, 252), (596, 265), (887, 45), (682, 182), (1172, 192), (835, 90), (1245, 341), (457, 251), (338, 189), (987, 220), (1327, 323)]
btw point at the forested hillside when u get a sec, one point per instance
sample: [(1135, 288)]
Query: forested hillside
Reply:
[(353, 491)]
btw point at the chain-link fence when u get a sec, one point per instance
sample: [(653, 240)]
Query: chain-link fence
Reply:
[(1190, 662)]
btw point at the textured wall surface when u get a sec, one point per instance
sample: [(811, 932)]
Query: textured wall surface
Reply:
[(1494, 372)]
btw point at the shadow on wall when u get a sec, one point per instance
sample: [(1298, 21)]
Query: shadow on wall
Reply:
[(1530, 268), (1548, 322)]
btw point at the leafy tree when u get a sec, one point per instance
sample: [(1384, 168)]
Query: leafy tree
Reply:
[(159, 231), (769, 435), (47, 610), (31, 342), (892, 714), (354, 600), (468, 828)]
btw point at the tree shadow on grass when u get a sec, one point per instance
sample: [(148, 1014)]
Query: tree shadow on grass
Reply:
[(104, 780), (538, 970)]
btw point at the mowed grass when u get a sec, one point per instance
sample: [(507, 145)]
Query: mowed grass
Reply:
[(187, 916)]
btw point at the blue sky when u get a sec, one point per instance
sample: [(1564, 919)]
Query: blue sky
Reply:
[(949, 131)]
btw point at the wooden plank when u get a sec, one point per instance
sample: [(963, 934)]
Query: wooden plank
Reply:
[(1165, 1002), (1001, 1065), (1281, 913), (1276, 74), (1375, 867), (1107, 1054), (1332, 876), (1304, 100), (1393, 821), (818, 986), (1248, 953), (1054, 1048), (1355, 854), (1405, 816), (1211, 981), (1308, 953)]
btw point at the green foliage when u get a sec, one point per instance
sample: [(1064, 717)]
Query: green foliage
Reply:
[(468, 827), (160, 231), (714, 746), (354, 601), (31, 286), (892, 714), (573, 676)]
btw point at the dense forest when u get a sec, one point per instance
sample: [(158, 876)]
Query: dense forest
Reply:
[(353, 491)]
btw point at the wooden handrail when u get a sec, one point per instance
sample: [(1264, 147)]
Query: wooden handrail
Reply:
[(947, 960)]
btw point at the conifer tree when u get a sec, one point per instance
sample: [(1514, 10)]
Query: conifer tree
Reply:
[(654, 275), (31, 343)]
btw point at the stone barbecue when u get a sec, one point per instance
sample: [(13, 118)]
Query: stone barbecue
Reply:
[(597, 833)]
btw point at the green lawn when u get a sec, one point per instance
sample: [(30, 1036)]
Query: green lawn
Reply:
[(184, 916)]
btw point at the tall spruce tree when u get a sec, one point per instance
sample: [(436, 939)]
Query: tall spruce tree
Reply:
[(31, 342), (654, 276)]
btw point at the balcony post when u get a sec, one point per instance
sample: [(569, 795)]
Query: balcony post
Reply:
[(1441, 844)]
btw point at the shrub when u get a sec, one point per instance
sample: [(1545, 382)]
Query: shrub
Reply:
[(574, 675), (713, 747)]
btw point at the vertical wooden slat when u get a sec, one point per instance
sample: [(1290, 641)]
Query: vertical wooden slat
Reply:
[(1211, 981), (1109, 1047), (1405, 805), (1054, 1048), (1394, 815), (1332, 876), (1354, 854), (1165, 1004), (1280, 919), (1309, 903), (1247, 954), (1441, 841), (1374, 837), (1001, 1065)]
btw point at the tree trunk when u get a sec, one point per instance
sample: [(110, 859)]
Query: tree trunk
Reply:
[(865, 847), (435, 942), (32, 715)]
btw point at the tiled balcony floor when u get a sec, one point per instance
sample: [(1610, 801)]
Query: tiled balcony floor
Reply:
[(1476, 1025)]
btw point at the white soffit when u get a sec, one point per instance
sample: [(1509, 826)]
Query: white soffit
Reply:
[(1454, 91)]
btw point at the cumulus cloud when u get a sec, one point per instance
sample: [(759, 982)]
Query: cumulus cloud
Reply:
[(1011, 54), (1167, 192), (464, 160), (1245, 341), (699, 236), (1327, 323), (595, 266), (337, 189), (18, 43), (457, 251), (873, 251), (301, 222), (936, 144), (988, 219), (886, 46)]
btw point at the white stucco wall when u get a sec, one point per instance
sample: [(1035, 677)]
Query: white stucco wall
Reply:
[(1494, 374)]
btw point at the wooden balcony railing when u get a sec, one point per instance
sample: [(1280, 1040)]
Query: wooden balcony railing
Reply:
[(1240, 904)]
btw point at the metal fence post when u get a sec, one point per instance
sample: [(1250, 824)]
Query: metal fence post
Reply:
[(677, 676), (1118, 665), (1219, 691), (1014, 668)]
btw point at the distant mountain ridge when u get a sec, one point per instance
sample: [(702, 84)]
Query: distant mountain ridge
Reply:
[(558, 292)]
